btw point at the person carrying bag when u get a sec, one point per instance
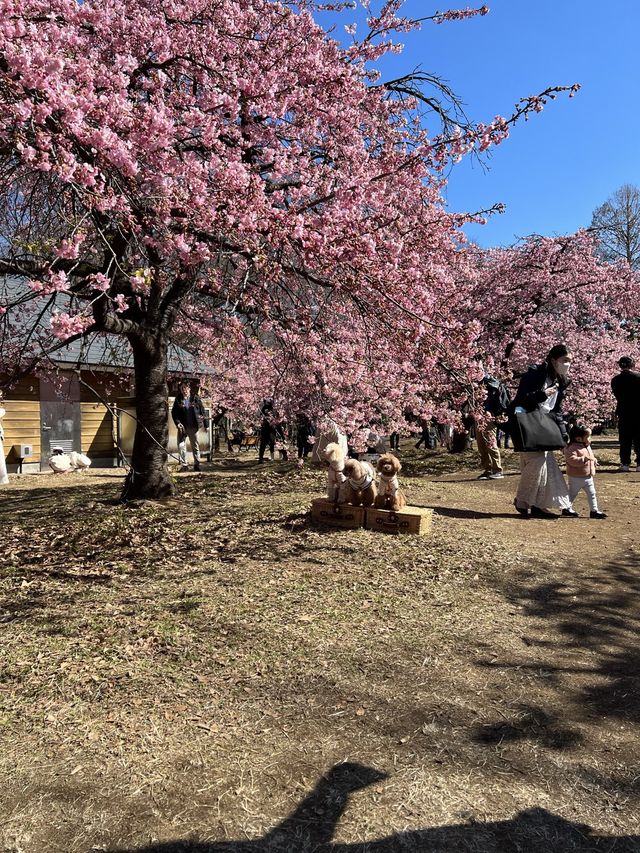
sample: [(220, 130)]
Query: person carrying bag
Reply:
[(537, 429)]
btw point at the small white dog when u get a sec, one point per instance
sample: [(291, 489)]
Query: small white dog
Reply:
[(61, 462), (80, 461)]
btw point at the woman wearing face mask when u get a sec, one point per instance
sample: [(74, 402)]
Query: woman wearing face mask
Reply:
[(541, 482)]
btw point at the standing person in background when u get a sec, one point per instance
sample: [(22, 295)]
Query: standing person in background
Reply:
[(496, 405), (626, 389), (329, 433), (502, 436), (425, 434), (4, 477), (222, 424), (541, 482), (305, 430), (189, 416), (236, 437), (375, 441), (267, 435), (461, 439)]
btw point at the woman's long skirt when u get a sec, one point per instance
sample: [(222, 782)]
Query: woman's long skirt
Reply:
[(541, 482)]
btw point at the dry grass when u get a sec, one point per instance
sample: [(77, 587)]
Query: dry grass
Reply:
[(193, 670)]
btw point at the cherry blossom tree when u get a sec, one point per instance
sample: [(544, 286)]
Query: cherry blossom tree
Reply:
[(548, 290), (225, 168), (366, 365)]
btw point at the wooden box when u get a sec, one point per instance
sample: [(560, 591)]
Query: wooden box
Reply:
[(411, 519), (342, 516)]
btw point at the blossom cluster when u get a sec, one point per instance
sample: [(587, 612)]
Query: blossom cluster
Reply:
[(64, 325), (459, 14)]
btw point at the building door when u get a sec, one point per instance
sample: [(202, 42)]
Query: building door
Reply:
[(59, 416)]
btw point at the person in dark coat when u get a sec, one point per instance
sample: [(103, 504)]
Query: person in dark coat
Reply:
[(626, 389), (305, 429), (267, 431), (189, 417), (541, 482)]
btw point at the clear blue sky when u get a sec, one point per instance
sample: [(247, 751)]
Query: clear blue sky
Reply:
[(561, 164)]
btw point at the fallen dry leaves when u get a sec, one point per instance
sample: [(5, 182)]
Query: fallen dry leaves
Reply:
[(196, 667)]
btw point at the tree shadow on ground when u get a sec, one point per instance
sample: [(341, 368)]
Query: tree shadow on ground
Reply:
[(27, 505), (529, 723), (588, 637), (475, 479), (311, 827), (471, 514), (297, 522)]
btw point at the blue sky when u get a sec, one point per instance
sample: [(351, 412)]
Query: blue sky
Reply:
[(561, 164)]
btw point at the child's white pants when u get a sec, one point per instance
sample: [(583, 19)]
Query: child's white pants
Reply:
[(577, 484)]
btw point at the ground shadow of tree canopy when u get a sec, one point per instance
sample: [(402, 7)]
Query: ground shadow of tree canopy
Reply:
[(36, 503), (529, 723), (311, 826), (588, 627)]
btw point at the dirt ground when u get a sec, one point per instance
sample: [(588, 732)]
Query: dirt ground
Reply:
[(216, 675)]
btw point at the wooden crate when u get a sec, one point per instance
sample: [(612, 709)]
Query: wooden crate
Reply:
[(341, 516), (411, 519)]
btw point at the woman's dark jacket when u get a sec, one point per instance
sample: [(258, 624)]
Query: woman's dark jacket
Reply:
[(305, 428), (531, 392)]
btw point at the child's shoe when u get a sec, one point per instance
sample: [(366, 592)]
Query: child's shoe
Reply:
[(597, 514), (570, 513)]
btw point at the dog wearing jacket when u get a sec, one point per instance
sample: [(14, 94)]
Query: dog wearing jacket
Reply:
[(360, 486), (334, 457), (389, 495)]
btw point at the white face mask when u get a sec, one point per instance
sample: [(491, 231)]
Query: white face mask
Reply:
[(562, 367)]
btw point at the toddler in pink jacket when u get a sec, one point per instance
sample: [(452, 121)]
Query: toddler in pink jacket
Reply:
[(581, 467)]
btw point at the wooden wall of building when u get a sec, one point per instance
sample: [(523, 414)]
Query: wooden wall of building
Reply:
[(97, 430), (21, 424), (99, 421), (98, 425)]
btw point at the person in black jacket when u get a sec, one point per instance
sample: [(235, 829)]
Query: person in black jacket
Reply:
[(267, 431), (541, 482), (189, 416), (305, 429), (626, 389)]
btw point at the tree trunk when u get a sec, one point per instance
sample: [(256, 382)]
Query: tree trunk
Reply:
[(149, 476)]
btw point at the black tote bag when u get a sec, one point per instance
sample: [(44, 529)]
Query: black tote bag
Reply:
[(532, 432)]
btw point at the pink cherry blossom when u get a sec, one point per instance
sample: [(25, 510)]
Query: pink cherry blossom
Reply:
[(285, 202), (65, 326)]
